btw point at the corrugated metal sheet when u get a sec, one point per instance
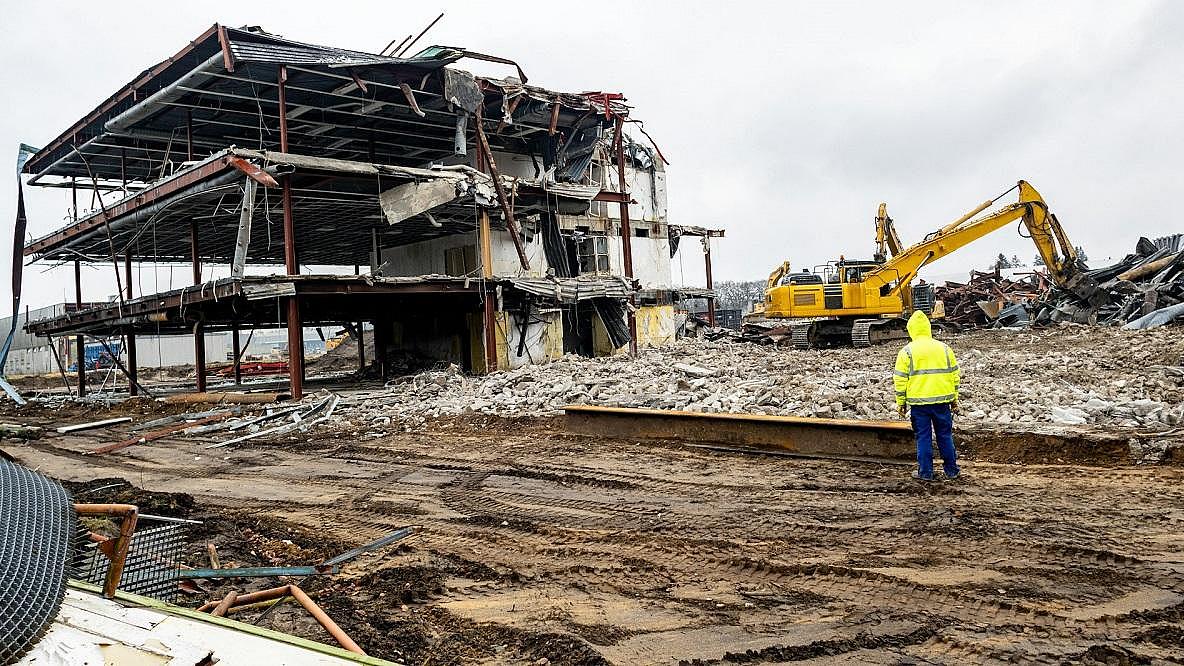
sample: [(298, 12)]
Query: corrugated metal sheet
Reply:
[(255, 47), (571, 290)]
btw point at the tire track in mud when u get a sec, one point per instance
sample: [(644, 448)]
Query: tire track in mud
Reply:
[(462, 499), (720, 556), (467, 496)]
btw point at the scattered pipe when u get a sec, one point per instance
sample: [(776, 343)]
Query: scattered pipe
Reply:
[(151, 104), (258, 572), (157, 434), (225, 604), (233, 600), (251, 597), (325, 621)]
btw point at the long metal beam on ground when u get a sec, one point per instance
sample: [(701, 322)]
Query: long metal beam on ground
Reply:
[(785, 434)]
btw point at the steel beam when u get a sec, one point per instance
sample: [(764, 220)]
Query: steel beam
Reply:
[(130, 90), (142, 198), (153, 309), (758, 432), (507, 211)]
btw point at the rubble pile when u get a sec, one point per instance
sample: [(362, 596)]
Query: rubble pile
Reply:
[(1144, 290), (990, 299), (1068, 374)]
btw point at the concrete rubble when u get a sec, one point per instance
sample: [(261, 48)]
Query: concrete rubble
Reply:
[(1068, 375)]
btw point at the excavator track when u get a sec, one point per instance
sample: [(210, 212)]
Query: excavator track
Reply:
[(800, 333), (861, 332), (868, 332)]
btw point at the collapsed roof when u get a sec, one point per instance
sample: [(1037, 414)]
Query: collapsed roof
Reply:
[(178, 140), (221, 91)]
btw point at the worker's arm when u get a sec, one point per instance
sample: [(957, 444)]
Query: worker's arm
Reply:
[(900, 376), (957, 374)]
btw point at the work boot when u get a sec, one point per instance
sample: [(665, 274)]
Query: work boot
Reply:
[(917, 476)]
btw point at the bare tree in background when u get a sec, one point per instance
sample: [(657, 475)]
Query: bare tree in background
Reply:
[(738, 295)]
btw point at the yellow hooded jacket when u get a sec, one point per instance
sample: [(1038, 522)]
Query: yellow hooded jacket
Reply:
[(926, 370)]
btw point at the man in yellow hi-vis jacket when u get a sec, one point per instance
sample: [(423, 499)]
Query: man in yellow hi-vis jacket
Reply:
[(926, 379)]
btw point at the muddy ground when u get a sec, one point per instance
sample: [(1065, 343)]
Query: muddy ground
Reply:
[(538, 546)]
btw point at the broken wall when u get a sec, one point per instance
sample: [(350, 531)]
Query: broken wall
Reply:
[(656, 325), (543, 338)]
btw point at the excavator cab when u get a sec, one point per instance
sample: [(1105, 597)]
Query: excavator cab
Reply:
[(853, 271)]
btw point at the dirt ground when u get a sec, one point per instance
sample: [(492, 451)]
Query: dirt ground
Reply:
[(539, 546)]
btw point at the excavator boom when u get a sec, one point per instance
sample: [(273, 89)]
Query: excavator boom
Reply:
[(1050, 239)]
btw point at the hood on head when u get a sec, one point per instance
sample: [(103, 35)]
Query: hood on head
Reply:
[(919, 326)]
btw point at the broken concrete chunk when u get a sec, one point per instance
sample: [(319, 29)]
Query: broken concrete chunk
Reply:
[(1068, 415), (694, 370)]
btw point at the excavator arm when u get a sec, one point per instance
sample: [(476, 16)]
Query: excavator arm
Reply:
[(887, 241), (1059, 255), (777, 274)]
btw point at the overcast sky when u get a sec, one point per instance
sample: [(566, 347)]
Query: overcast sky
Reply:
[(785, 123)]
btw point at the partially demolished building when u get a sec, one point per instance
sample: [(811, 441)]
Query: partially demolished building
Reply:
[(487, 221)]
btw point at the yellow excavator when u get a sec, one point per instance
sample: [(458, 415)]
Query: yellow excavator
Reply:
[(866, 302)]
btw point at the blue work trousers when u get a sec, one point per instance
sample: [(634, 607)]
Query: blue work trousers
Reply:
[(928, 420)]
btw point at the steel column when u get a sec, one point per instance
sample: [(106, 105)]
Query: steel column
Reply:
[(361, 346), (133, 388), (710, 283), (381, 332), (295, 329), (361, 329), (488, 306), (626, 230), (199, 335), (236, 346), (79, 342)]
